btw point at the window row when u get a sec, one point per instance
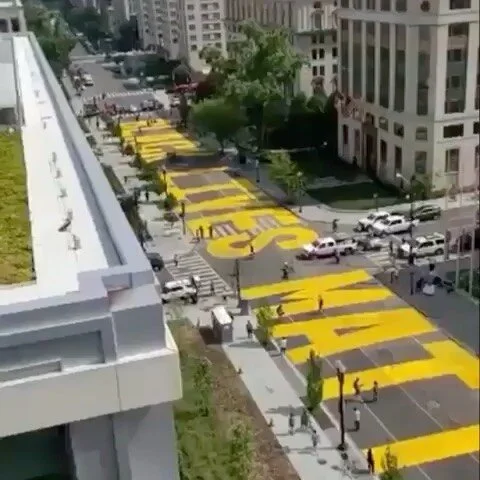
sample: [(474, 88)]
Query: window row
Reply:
[(395, 5), (318, 54), (320, 38), (457, 130), (319, 71)]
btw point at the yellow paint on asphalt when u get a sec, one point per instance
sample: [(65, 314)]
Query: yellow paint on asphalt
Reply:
[(466, 369), (431, 448), (195, 171)]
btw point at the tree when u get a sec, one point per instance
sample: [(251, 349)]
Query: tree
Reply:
[(127, 36), (219, 117), (261, 67), (265, 324), (314, 382), (240, 451), (286, 174), (390, 467), (88, 21), (203, 384)]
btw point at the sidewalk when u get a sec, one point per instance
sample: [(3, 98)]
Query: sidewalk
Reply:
[(318, 212), (275, 397)]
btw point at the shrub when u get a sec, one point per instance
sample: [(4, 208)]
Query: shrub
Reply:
[(170, 202), (128, 150), (170, 217), (390, 467), (266, 322)]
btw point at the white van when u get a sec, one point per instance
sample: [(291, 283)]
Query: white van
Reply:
[(222, 324), (184, 289), (88, 80)]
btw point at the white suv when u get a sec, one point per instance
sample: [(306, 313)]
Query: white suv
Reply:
[(366, 222), (184, 289), (425, 246), (393, 224)]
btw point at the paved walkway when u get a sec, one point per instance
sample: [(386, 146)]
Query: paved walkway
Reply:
[(275, 396), (313, 211)]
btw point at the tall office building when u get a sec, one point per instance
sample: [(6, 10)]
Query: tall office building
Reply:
[(313, 34), (88, 366), (409, 73)]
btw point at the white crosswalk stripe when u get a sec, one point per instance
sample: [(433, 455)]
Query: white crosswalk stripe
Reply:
[(195, 264), (263, 224), (382, 259)]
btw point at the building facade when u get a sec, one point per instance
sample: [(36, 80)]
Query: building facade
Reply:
[(88, 366), (409, 76), (313, 31)]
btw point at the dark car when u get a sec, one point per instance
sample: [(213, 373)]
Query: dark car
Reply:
[(422, 213), (156, 261)]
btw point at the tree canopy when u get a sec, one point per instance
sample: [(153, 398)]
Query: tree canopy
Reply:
[(88, 21), (221, 118)]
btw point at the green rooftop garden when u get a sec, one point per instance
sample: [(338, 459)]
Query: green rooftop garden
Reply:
[(15, 240)]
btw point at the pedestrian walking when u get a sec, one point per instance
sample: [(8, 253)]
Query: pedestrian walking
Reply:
[(210, 231), (283, 345), (212, 288), (375, 391), (431, 265), (175, 260), (357, 389), (147, 195), (337, 256), (370, 461), (356, 423), (291, 422), (249, 328), (320, 303), (314, 438), (252, 251), (304, 420), (125, 179), (201, 231), (280, 311)]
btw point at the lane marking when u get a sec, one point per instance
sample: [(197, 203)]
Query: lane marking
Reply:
[(432, 448)]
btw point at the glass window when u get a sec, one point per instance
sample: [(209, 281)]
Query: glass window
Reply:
[(321, 38), (458, 4), (385, 5), (334, 69), (321, 71), (400, 43), (314, 71), (371, 5), (344, 58), (314, 39), (314, 54), (15, 25), (398, 129), (321, 53), (383, 151), (477, 156), (420, 163), (345, 3), (421, 133), (383, 123), (345, 134), (452, 158), (476, 128), (357, 59), (401, 5), (452, 131), (3, 25), (370, 63), (384, 65), (398, 159), (334, 52), (423, 78), (358, 4)]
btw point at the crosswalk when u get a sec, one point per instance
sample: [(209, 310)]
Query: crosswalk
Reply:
[(195, 264), (227, 229), (383, 260)]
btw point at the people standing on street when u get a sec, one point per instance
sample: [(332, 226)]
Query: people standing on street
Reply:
[(147, 195), (314, 437), (370, 461), (175, 260), (201, 231), (304, 420), (356, 423), (210, 231), (357, 389), (252, 251), (249, 328), (212, 289), (285, 270), (375, 391), (291, 421), (335, 225), (283, 345), (125, 179), (320, 303)]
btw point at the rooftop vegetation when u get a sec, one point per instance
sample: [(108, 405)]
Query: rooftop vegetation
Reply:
[(15, 240)]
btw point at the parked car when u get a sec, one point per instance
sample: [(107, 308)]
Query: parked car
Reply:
[(424, 246), (156, 261), (421, 213), (393, 224), (367, 222), (326, 247)]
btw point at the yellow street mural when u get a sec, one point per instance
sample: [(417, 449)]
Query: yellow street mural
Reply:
[(333, 335), (244, 208)]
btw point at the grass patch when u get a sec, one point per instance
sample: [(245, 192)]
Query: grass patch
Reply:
[(221, 434), (359, 196), (15, 235)]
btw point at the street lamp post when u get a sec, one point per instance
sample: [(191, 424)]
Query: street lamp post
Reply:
[(257, 170), (299, 190), (375, 201), (236, 274), (341, 403), (182, 215), (164, 176)]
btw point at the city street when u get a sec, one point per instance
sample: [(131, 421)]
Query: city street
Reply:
[(427, 408)]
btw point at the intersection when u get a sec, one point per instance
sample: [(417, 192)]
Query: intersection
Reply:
[(427, 411)]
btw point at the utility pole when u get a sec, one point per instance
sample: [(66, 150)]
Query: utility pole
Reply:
[(236, 273), (182, 215)]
